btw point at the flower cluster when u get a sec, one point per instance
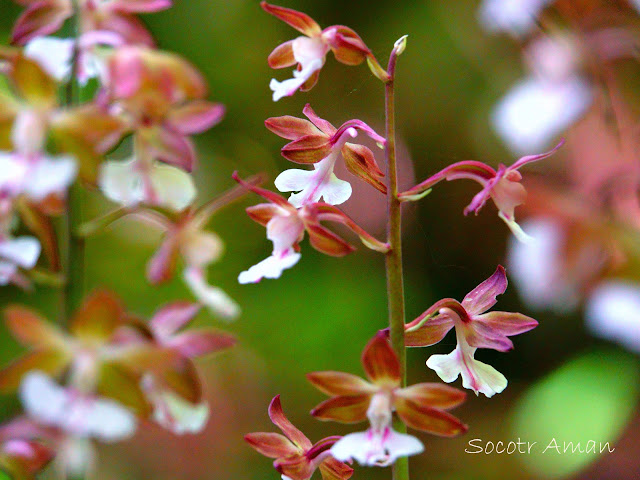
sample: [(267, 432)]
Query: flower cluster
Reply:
[(115, 369), (103, 109)]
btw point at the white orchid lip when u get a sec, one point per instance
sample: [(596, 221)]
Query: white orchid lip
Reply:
[(376, 448)]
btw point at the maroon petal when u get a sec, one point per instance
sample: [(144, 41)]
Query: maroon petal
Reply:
[(171, 318), (483, 297), (280, 420)]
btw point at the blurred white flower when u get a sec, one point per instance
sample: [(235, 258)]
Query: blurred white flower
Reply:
[(516, 17)]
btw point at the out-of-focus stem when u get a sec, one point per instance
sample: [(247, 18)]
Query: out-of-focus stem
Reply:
[(74, 256), (395, 281)]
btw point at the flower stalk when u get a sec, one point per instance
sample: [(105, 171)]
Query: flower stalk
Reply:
[(74, 245), (395, 281)]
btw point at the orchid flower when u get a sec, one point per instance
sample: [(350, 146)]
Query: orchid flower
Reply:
[(517, 17), (89, 353), (162, 123), (185, 237), (320, 143), (179, 407), (44, 17), (474, 329), (353, 400), (550, 99), (309, 51), (286, 226), (15, 254), (74, 412), (55, 55), (502, 186), (296, 458)]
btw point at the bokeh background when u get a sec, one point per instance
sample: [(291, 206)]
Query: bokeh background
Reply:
[(563, 383)]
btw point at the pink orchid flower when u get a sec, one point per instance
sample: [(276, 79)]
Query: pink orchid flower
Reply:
[(24, 458), (309, 51), (502, 186), (286, 226), (296, 458), (320, 143), (44, 17), (171, 410), (474, 329)]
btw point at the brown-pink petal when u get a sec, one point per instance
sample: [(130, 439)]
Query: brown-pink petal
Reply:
[(360, 161), (307, 149), (196, 116), (298, 20), (196, 343), (430, 333), (326, 241), (172, 317), (343, 408), (332, 469), (49, 360), (291, 128), (282, 56), (280, 420), (432, 420), (435, 395), (380, 362), (98, 317), (347, 46), (340, 383), (483, 297), (262, 212), (31, 330), (41, 18), (271, 445)]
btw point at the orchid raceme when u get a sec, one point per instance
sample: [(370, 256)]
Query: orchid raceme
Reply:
[(296, 458), (474, 329), (319, 143), (42, 18), (353, 400), (286, 227), (502, 186), (309, 51)]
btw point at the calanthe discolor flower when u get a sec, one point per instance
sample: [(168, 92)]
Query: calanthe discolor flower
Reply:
[(421, 406), (502, 186), (475, 328)]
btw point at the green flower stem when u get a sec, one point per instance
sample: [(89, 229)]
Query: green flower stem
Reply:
[(395, 281)]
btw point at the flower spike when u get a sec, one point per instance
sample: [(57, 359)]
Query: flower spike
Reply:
[(474, 329), (309, 51), (502, 186)]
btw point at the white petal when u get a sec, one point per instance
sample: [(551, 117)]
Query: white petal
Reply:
[(122, 183), (288, 87), (294, 180), (178, 415), (23, 251), (174, 188), (514, 16), (12, 174), (372, 449), (537, 267), (270, 267), (109, 421), (535, 112), (54, 55), (336, 191), (613, 312), (50, 176), (284, 231), (213, 297), (43, 399), (476, 376)]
